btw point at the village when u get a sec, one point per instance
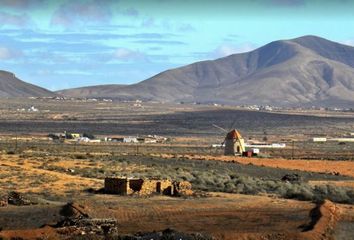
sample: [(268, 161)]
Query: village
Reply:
[(89, 138)]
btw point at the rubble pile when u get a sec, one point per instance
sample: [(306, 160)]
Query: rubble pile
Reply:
[(15, 198), (77, 222)]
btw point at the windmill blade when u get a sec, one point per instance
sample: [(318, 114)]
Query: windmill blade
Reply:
[(222, 129), (232, 125)]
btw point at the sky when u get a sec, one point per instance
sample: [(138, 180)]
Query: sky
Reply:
[(72, 43)]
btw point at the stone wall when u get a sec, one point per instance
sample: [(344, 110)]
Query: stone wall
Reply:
[(183, 188), (166, 187), (116, 186), (144, 187)]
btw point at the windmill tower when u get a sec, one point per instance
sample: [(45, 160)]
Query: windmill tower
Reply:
[(234, 143)]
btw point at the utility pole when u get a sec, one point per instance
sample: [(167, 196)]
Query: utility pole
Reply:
[(292, 150)]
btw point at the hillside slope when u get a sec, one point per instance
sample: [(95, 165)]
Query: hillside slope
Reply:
[(304, 71), (11, 86)]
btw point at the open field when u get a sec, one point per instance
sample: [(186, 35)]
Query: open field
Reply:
[(185, 125), (224, 216), (53, 180), (165, 119), (235, 197)]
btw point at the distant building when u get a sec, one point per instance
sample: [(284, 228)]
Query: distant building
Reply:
[(83, 139), (130, 140), (116, 139), (32, 109), (72, 135), (319, 139)]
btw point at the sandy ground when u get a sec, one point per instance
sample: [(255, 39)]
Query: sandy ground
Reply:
[(53, 182), (224, 216)]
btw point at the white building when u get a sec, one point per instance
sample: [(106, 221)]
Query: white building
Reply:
[(319, 139), (130, 140)]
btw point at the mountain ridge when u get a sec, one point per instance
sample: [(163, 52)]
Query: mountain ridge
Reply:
[(12, 87), (301, 71)]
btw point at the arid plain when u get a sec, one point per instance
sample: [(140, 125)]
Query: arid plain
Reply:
[(234, 197)]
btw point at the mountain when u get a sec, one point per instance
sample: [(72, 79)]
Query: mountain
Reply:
[(11, 86), (304, 71)]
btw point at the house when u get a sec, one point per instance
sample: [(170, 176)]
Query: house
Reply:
[(72, 135), (130, 140), (76, 135), (83, 139), (116, 139), (148, 139), (32, 109)]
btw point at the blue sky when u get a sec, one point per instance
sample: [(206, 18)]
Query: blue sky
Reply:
[(63, 44)]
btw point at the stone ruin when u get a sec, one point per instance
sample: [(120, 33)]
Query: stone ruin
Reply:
[(77, 222), (144, 187), (14, 198)]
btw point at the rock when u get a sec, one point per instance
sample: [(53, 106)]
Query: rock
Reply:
[(291, 178), (15, 198)]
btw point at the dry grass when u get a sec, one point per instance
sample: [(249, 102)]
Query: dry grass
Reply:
[(27, 176)]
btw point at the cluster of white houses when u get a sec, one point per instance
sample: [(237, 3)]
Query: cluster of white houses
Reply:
[(89, 138)]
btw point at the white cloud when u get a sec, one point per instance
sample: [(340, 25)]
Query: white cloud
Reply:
[(227, 49), (125, 54), (8, 54), (348, 42)]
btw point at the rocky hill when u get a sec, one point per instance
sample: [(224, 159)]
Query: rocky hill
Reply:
[(304, 71), (11, 86)]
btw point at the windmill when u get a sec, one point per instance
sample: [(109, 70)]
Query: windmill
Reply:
[(234, 142)]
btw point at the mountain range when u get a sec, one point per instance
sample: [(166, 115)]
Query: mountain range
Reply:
[(11, 86), (303, 71)]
